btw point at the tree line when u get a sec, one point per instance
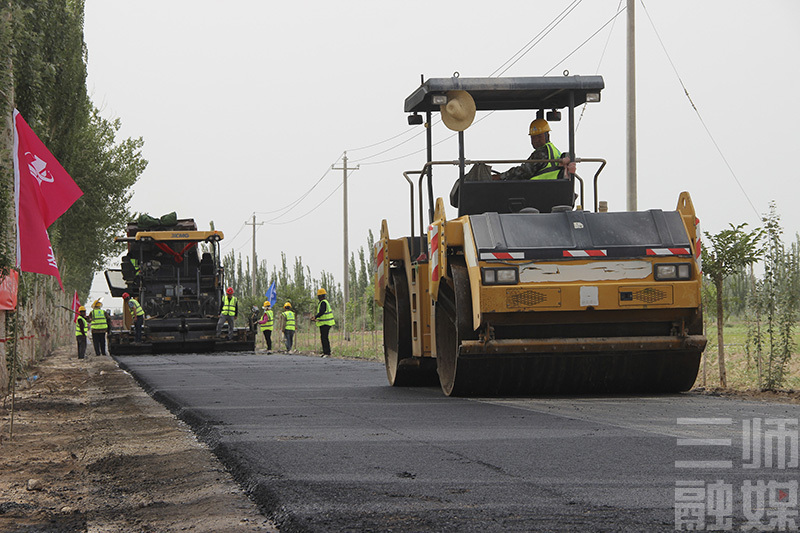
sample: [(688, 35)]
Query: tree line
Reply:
[(43, 65), (296, 284)]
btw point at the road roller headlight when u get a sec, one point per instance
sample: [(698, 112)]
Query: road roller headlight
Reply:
[(500, 276), (672, 271)]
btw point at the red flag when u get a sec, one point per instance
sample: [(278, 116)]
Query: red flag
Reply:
[(43, 192), (8, 291), (75, 305)]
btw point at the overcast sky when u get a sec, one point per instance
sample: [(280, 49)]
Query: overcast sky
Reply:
[(244, 106)]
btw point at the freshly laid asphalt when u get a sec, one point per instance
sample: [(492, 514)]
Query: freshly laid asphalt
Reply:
[(327, 445)]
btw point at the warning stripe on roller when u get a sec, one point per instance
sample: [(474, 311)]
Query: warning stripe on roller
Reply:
[(585, 253), (433, 231), (669, 251), (379, 258), (488, 256)]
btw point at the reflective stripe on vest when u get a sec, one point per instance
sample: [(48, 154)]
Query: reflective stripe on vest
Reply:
[(137, 309), (326, 318), (99, 320), (551, 170), (267, 324), (229, 306), (289, 319), (78, 331)]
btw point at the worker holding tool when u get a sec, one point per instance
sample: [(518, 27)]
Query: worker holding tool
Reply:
[(228, 311), (100, 324), (324, 320), (138, 316), (81, 329), (288, 325), (266, 325), (539, 131)]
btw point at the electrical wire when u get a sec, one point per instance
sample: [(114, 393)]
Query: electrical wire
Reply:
[(592, 36), (552, 25), (514, 59), (230, 241), (599, 62), (292, 205), (498, 71), (697, 111), (404, 132), (310, 211)]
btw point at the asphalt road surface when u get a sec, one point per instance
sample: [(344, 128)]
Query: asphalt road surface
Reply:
[(327, 445)]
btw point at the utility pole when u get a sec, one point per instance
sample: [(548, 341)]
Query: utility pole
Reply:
[(253, 223), (346, 270), (631, 108)]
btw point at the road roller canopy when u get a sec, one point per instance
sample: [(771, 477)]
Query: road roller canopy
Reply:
[(545, 92)]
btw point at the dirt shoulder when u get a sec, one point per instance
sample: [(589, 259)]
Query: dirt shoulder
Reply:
[(90, 451)]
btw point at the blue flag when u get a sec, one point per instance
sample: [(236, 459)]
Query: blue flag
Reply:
[(272, 294)]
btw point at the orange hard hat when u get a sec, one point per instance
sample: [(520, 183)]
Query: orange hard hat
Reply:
[(538, 127)]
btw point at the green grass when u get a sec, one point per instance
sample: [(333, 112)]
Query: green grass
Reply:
[(742, 370), (362, 344)]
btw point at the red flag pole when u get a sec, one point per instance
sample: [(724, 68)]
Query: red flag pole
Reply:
[(14, 363)]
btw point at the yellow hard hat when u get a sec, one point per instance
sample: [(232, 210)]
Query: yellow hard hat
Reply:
[(97, 303), (538, 126), (321, 292), (81, 308), (266, 304), (287, 305)]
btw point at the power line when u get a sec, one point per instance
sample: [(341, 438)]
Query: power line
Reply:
[(592, 36), (599, 62), (697, 111), (309, 212), (547, 29), (230, 242), (405, 132), (291, 206)]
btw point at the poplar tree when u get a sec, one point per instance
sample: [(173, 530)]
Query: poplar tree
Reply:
[(730, 250)]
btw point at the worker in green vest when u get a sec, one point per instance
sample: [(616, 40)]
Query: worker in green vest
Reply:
[(229, 308), (289, 325), (324, 320), (138, 316), (266, 325), (81, 329), (539, 131), (100, 324)]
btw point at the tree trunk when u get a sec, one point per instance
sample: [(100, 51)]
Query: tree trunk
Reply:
[(723, 380)]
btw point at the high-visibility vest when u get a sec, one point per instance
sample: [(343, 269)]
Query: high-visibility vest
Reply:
[(81, 321), (137, 309), (289, 320), (135, 264), (229, 305), (551, 170), (326, 318), (266, 323), (99, 320)]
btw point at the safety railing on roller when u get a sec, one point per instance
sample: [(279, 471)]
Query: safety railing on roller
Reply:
[(427, 171)]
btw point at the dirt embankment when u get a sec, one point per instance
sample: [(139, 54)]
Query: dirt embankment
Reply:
[(90, 451)]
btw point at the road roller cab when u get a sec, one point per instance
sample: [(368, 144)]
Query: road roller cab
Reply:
[(524, 291)]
